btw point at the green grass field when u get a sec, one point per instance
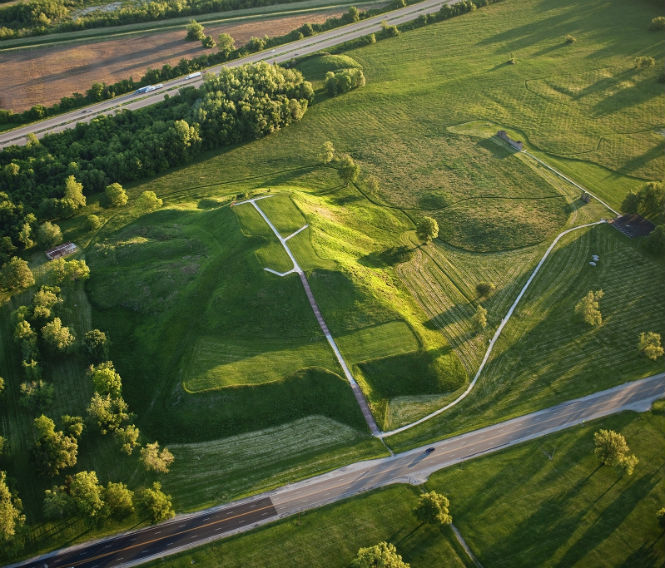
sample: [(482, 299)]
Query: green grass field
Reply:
[(542, 503), (211, 347), (546, 354)]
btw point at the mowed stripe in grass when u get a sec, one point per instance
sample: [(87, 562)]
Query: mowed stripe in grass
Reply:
[(392, 338), (546, 354), (218, 362), (221, 470)]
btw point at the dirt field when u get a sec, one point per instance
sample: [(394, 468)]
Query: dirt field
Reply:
[(44, 75)]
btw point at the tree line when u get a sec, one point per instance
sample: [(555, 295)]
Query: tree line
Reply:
[(39, 17), (228, 51), (46, 178), (42, 336)]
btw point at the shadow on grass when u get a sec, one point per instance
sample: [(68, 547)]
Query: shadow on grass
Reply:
[(388, 257), (609, 520)]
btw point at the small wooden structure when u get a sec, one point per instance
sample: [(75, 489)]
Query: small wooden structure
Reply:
[(514, 143), (64, 249)]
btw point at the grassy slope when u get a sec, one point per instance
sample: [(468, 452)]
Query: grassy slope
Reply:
[(543, 503), (545, 354)]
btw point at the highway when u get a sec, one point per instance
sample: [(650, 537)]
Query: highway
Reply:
[(280, 54), (187, 531)]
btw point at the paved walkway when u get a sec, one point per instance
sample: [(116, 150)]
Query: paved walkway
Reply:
[(357, 391), (572, 182)]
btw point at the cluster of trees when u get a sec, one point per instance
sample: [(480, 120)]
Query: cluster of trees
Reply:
[(226, 51), (40, 334), (56, 447), (20, 228), (84, 496), (344, 80), (49, 176)]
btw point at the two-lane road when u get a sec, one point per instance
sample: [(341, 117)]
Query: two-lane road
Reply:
[(414, 466), (279, 54)]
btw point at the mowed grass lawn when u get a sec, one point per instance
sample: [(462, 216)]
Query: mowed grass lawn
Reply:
[(546, 354), (542, 503)]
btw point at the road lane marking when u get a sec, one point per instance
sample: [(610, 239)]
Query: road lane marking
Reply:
[(146, 543)]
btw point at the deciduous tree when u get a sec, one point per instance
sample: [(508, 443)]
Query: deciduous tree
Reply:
[(128, 438), (650, 344), (382, 555), (154, 504), (347, 169), (588, 308), (74, 192), (116, 196), (10, 511), (427, 229), (155, 460), (484, 289), (118, 499), (148, 201), (327, 152), (53, 450), (225, 44), (93, 222), (108, 412), (433, 509), (194, 31), (48, 235), (97, 345), (87, 494), (611, 449), (105, 379), (16, 275), (59, 337)]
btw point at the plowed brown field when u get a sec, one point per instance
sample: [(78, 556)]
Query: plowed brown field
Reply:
[(46, 74)]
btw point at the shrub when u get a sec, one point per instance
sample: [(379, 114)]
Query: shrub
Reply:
[(657, 23), (644, 62), (570, 39)]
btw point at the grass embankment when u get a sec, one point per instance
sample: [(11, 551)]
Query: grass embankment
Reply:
[(543, 503)]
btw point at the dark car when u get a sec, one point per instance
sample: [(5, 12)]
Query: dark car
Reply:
[(429, 450)]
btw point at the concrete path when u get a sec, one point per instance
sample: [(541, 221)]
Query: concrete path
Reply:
[(189, 531), (494, 339), (355, 388), (570, 181)]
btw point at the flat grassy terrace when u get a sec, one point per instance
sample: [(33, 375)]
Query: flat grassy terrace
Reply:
[(542, 503)]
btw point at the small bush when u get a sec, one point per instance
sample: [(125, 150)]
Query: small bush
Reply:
[(644, 61), (570, 39), (657, 23)]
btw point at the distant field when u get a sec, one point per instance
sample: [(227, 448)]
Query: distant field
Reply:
[(43, 75), (542, 503)]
